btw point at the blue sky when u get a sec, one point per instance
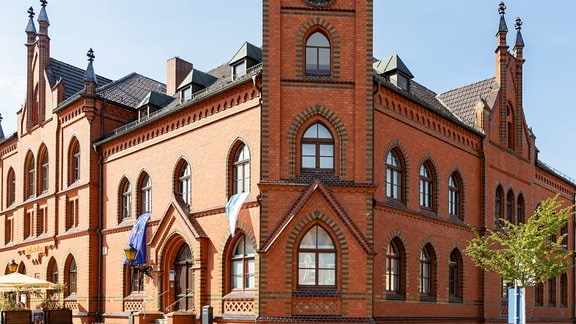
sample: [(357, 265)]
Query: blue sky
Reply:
[(446, 44)]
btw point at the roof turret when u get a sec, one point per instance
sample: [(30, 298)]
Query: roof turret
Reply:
[(43, 17), (31, 27), (518, 26), (89, 75)]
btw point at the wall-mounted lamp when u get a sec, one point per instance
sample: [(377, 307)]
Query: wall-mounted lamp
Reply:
[(130, 253), (12, 266)]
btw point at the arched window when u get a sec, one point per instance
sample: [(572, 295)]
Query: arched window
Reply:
[(539, 294), (394, 176), (454, 195), (74, 162), (455, 272), (53, 271), (510, 129), (318, 55), (510, 199), (520, 210), (11, 186), (317, 149), (552, 292), (426, 187), (564, 290), (145, 195), (427, 273), (30, 176), (241, 170), (126, 200), (72, 276), (499, 205), (242, 266), (395, 270), (317, 260), (184, 184), (43, 166)]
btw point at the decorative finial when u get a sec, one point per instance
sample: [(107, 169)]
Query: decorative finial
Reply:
[(90, 55), (518, 25), (502, 8), (30, 12), (43, 3)]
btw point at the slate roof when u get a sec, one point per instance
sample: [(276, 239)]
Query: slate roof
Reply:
[(130, 90), (463, 101), (71, 76)]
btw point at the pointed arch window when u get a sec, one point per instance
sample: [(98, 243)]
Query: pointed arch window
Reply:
[(126, 200), (145, 195), (427, 273), (455, 195), (30, 176), (564, 290), (394, 174), (184, 277), (395, 270), (520, 210), (11, 186), (318, 55), (242, 265), (184, 183), (72, 276), (74, 162), (44, 168), (499, 205), (455, 272), (426, 187), (317, 260), (510, 199), (241, 170), (317, 149)]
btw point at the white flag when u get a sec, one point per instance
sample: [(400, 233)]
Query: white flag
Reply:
[(233, 208)]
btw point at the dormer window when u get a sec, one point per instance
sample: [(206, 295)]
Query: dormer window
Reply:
[(239, 69), (186, 94), (402, 82)]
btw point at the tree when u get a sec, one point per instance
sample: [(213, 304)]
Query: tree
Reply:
[(528, 253)]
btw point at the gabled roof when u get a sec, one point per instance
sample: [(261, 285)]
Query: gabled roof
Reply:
[(392, 64), (198, 77), (130, 90), (71, 76), (247, 50), (462, 101)]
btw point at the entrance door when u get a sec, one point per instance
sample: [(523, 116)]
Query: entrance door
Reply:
[(184, 280)]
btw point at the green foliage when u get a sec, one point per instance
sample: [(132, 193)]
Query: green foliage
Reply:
[(528, 253)]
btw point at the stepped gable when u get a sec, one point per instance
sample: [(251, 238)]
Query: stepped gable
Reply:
[(462, 101), (130, 90)]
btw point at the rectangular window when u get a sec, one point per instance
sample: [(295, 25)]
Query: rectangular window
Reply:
[(28, 223), (72, 214), (9, 230), (41, 221)]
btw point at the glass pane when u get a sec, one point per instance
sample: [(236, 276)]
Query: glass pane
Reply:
[(326, 150), (327, 260), (249, 248), (326, 163), (237, 268), (324, 60), (306, 260), (326, 277), (323, 132), (311, 59), (239, 249), (309, 149), (308, 162), (306, 277), (250, 281), (324, 240), (317, 39), (312, 132), (309, 240)]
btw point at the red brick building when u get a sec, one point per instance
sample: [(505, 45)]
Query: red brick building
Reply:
[(354, 185)]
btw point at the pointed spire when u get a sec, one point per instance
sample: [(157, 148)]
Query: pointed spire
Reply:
[(502, 11), (31, 27), (43, 17), (89, 75), (518, 26), (1, 131)]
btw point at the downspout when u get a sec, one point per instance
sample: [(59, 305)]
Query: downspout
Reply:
[(99, 296)]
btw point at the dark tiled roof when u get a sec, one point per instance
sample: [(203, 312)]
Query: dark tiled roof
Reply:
[(130, 90), (462, 101), (71, 76)]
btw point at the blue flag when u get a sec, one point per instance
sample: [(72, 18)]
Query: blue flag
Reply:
[(138, 239)]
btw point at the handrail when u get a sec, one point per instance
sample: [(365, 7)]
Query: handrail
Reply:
[(143, 307), (169, 307)]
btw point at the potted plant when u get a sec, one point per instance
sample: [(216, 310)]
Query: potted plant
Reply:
[(14, 311)]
